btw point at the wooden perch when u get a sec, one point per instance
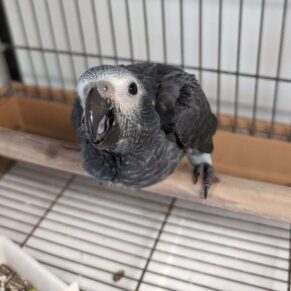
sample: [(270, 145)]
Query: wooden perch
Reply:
[(237, 194)]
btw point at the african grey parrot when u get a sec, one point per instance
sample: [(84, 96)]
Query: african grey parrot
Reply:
[(135, 123)]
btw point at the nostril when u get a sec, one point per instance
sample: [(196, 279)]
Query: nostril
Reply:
[(104, 89)]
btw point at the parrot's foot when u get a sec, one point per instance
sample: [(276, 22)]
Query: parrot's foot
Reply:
[(202, 167), (207, 171)]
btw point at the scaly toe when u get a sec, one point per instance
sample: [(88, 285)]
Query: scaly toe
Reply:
[(196, 173)]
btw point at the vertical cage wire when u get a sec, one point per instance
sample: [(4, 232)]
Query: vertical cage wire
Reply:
[(82, 32), (54, 45), (97, 31), (200, 41), (164, 32), (149, 34), (40, 43), (258, 63), (278, 71), (238, 54), (115, 56), (129, 31), (29, 52), (218, 86), (181, 10), (145, 17), (67, 40)]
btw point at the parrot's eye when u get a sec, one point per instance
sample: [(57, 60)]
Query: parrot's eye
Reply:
[(132, 89)]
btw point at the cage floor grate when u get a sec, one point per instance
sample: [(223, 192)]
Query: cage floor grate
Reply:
[(108, 240)]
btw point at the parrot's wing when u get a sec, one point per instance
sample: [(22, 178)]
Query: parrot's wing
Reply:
[(186, 116), (184, 111), (181, 104)]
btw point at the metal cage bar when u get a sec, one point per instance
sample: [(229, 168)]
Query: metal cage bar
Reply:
[(129, 31), (181, 10), (97, 31), (148, 34), (200, 57), (237, 83), (29, 52), (67, 40), (164, 31), (279, 64), (54, 45), (82, 32), (113, 36), (145, 17), (40, 43), (259, 52), (218, 86)]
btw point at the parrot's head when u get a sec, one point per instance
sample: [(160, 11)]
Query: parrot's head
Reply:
[(119, 113)]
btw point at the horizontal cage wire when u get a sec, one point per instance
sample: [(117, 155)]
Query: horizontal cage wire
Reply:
[(237, 49)]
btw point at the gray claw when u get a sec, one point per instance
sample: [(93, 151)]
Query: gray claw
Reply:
[(208, 175), (196, 173), (206, 189)]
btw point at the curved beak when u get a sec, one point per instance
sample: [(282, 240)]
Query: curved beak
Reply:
[(95, 108), (100, 121)]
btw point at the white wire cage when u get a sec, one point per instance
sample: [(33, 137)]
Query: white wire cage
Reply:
[(239, 50), (109, 240)]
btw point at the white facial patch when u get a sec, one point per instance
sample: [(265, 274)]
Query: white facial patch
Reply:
[(200, 159), (120, 95), (83, 88), (126, 102)]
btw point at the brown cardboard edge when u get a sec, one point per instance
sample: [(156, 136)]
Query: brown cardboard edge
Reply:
[(235, 154)]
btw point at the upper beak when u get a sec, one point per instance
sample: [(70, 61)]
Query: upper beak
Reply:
[(95, 108)]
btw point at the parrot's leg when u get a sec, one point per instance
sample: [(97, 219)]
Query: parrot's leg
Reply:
[(202, 166)]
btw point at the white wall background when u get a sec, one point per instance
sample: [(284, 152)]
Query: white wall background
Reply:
[(249, 44)]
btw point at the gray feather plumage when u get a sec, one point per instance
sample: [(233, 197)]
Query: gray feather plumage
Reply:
[(184, 122)]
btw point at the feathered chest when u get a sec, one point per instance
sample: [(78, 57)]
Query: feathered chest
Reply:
[(134, 170), (150, 167)]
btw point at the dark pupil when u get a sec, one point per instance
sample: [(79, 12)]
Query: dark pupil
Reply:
[(132, 89)]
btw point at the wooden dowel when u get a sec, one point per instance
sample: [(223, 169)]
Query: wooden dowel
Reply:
[(237, 194)]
